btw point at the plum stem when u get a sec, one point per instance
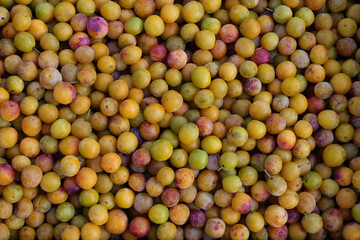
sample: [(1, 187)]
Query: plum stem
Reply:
[(37, 50), (88, 115), (220, 169), (299, 166), (300, 183), (267, 174)]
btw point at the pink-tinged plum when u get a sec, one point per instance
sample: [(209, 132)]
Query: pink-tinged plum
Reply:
[(71, 187), (333, 219), (7, 174), (79, 39), (78, 22), (229, 33), (315, 105), (312, 119), (343, 176), (241, 203), (141, 157), (275, 215), (9, 110), (346, 47), (286, 139), (278, 233), (149, 131), (259, 191), (266, 144), (177, 58), (197, 219), (260, 56), (45, 162), (252, 86), (275, 123), (158, 53), (64, 93), (323, 137), (97, 27), (139, 227), (170, 197), (205, 126), (301, 148), (293, 215)]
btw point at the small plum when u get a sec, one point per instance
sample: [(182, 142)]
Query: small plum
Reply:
[(205, 126), (97, 27), (197, 219), (260, 56), (158, 53), (139, 226), (7, 174)]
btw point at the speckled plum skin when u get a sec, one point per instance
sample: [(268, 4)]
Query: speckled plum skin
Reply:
[(158, 53), (197, 219), (79, 39), (97, 27)]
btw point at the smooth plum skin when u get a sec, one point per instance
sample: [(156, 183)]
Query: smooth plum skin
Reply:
[(197, 219), (139, 226), (9, 110), (346, 47), (323, 137), (141, 157), (7, 174), (79, 22), (149, 131), (260, 56), (315, 105), (177, 58)]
